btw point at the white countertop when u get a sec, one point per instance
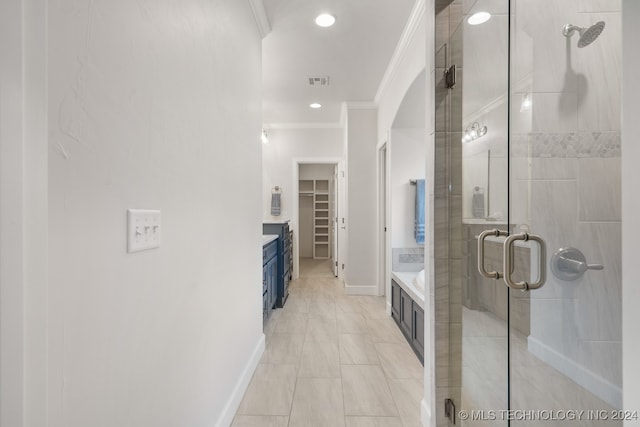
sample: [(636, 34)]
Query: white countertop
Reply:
[(267, 238), (275, 221), (405, 280)]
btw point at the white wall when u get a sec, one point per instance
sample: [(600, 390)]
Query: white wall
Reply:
[(153, 105), (278, 155), (411, 63), (630, 205), (408, 151), (361, 273)]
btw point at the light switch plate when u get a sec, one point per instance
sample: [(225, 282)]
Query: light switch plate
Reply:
[(143, 229)]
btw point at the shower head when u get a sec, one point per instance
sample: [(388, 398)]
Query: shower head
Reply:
[(587, 35)]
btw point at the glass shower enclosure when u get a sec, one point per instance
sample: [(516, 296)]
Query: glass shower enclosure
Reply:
[(532, 135)]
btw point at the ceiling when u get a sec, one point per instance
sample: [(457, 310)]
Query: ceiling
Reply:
[(354, 53)]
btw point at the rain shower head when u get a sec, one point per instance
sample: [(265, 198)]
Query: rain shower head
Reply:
[(587, 35)]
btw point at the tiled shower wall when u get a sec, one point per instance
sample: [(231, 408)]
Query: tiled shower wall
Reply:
[(448, 208)]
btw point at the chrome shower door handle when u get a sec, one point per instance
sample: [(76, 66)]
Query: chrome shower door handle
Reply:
[(481, 238), (509, 267)]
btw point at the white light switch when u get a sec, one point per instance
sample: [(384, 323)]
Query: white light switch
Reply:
[(143, 229)]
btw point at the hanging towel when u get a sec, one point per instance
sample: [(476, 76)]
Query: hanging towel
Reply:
[(419, 227), (275, 203)]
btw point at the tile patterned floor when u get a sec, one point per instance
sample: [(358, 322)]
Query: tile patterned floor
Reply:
[(332, 360)]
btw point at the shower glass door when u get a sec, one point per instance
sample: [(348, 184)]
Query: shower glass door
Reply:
[(539, 130), (565, 342), (481, 36)]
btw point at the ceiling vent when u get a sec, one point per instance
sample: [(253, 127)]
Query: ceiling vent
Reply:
[(318, 80)]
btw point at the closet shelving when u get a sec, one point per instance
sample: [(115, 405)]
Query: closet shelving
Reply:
[(319, 189)]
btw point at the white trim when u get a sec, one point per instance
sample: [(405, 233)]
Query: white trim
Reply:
[(260, 15), (239, 390), (605, 390), (425, 413), (343, 114), (413, 22), (329, 125), (361, 290), (429, 408), (294, 223), (630, 205)]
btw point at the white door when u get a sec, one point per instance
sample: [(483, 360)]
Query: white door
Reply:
[(341, 224), (333, 214), (382, 221)]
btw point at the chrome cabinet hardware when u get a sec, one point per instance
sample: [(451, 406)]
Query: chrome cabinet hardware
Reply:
[(481, 239), (509, 267), (570, 264)]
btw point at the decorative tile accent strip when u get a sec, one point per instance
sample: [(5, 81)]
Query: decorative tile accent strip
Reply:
[(411, 258), (407, 259), (566, 145)]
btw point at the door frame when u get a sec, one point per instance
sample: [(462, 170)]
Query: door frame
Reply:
[(338, 162), (383, 220)]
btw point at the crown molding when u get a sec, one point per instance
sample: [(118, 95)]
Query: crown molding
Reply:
[(418, 11), (260, 15)]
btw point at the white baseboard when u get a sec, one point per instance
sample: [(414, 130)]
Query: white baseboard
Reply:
[(605, 390), (425, 413), (361, 290), (230, 409), (388, 308)]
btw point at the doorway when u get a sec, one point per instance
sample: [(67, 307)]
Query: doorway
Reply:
[(316, 242)]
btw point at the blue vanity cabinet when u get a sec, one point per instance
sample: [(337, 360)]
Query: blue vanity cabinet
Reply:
[(269, 277), (272, 281), (410, 318), (281, 228)]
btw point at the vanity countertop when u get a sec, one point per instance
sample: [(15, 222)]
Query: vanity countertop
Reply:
[(405, 280), (268, 238), (275, 221)]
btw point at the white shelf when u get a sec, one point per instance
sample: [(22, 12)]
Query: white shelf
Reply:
[(319, 189)]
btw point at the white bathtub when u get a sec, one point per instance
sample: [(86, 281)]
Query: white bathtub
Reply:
[(412, 283)]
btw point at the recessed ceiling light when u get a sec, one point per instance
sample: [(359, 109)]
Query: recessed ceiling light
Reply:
[(325, 20), (479, 18), (315, 105)]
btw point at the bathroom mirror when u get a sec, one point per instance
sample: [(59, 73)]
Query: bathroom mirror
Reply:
[(484, 110)]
